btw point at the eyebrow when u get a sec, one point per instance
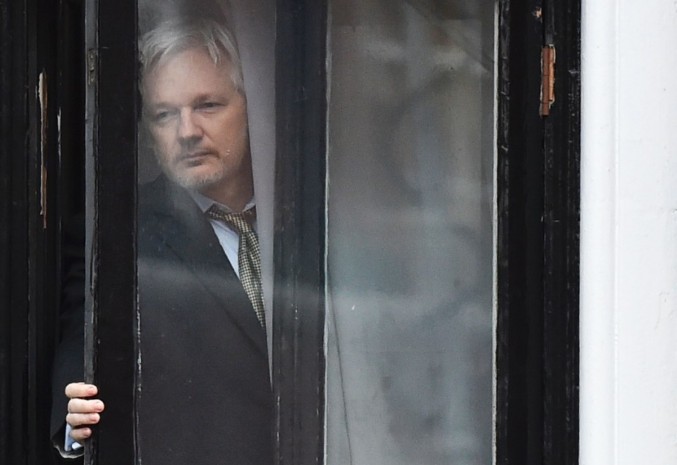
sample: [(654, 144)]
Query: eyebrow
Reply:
[(201, 98)]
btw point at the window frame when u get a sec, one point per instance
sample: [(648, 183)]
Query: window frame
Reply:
[(538, 198), (31, 97), (537, 345), (110, 223), (299, 270)]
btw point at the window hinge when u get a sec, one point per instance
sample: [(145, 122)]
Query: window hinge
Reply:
[(91, 66), (547, 79)]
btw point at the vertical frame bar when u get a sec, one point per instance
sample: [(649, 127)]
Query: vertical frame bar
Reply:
[(538, 227), (29, 237), (298, 337), (561, 237), (14, 120), (520, 204), (43, 224), (111, 217)]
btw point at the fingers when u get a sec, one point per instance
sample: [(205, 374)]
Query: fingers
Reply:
[(83, 412), (74, 390), (85, 406), (81, 434), (80, 424)]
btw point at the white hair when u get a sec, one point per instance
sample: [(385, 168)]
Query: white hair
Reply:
[(174, 36)]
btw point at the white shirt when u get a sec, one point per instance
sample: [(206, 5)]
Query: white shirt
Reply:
[(228, 238)]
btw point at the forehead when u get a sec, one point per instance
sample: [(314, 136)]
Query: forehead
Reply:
[(187, 74)]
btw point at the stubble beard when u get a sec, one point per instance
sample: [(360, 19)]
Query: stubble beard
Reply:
[(198, 182), (186, 177)]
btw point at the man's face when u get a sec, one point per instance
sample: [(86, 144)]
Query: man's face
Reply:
[(198, 121)]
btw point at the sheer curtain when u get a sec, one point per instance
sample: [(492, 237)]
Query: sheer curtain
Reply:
[(410, 233)]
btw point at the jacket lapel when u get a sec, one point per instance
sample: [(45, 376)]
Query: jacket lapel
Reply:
[(184, 229)]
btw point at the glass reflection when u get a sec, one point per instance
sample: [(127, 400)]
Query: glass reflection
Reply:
[(409, 348), (203, 387)]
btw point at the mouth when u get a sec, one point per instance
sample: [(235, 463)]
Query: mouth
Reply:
[(193, 158)]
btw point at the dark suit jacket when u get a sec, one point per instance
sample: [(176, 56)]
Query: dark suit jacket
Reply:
[(204, 391)]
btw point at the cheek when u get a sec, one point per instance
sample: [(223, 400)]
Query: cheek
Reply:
[(228, 133), (163, 141), (240, 130), (237, 120)]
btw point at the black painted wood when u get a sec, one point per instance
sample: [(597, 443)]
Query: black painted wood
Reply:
[(298, 332), (43, 224), (519, 435), (538, 198), (110, 317), (13, 233), (538, 193), (561, 239), (29, 236)]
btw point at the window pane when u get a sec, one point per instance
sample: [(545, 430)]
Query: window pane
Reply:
[(410, 208), (205, 214)]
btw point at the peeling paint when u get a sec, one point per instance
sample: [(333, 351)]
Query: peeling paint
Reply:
[(547, 79), (44, 105)]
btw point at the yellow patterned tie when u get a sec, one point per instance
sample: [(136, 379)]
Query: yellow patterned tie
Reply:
[(248, 255)]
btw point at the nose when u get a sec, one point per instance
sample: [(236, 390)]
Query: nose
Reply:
[(189, 128)]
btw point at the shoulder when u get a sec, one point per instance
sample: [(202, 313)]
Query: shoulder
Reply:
[(164, 197), (168, 211), (153, 195), (156, 217)]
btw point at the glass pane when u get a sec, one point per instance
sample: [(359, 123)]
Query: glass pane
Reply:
[(410, 232), (205, 215)]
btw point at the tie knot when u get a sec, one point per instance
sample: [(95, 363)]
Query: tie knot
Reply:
[(242, 221)]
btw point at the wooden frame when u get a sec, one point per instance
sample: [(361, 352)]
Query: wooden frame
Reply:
[(298, 341), (538, 230)]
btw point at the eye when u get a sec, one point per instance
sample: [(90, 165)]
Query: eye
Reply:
[(209, 106), (162, 116)]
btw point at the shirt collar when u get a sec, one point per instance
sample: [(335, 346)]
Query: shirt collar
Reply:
[(205, 203)]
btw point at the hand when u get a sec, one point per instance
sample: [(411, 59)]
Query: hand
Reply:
[(82, 410)]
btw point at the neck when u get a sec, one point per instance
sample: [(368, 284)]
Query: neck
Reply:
[(234, 195)]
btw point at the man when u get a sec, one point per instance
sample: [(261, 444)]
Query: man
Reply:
[(204, 389)]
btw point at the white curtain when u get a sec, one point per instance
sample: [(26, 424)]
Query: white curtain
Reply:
[(410, 208)]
